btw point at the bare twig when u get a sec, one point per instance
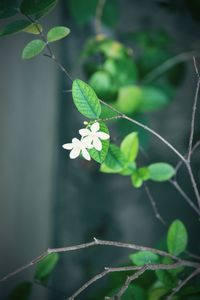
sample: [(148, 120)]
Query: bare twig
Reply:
[(153, 204), (98, 16), (192, 255), (194, 110), (183, 283), (169, 64)]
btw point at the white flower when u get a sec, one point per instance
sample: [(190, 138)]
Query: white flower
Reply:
[(78, 147), (93, 136)]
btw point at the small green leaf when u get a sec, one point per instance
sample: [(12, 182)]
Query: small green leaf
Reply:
[(136, 179), (128, 100), (33, 48), (157, 293), (57, 33), (161, 172), (45, 267), (129, 170), (166, 278), (8, 8), (130, 146), (100, 156), (33, 29), (21, 291), (177, 238), (134, 292), (143, 173), (14, 27), (115, 160), (86, 99), (144, 257)]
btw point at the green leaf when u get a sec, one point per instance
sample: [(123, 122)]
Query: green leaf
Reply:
[(152, 99), (143, 173), (144, 257), (115, 160), (129, 98), (161, 172), (134, 292), (14, 27), (136, 179), (57, 33), (100, 156), (21, 291), (37, 6), (82, 11), (130, 146), (45, 267), (33, 48), (86, 99), (33, 29), (156, 294), (129, 170), (177, 238), (166, 278), (8, 8)]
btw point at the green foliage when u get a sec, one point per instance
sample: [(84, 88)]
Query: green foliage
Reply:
[(136, 179), (115, 160), (8, 8), (100, 156), (85, 99), (21, 291), (33, 29), (37, 7), (161, 172), (144, 257), (157, 293), (128, 100), (152, 99), (45, 267), (134, 292), (177, 238), (57, 33), (33, 48), (130, 146), (14, 27)]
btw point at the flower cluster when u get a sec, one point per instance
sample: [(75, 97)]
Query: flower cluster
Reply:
[(90, 138)]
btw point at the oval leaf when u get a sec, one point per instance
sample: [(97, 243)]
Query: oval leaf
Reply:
[(85, 99), (57, 33), (33, 29), (130, 146), (161, 172), (14, 27), (33, 48), (144, 257), (45, 267), (177, 238), (100, 156), (115, 160)]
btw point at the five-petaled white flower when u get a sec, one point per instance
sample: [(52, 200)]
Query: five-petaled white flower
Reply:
[(78, 147), (93, 136)]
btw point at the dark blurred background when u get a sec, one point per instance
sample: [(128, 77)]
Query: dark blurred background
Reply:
[(48, 200)]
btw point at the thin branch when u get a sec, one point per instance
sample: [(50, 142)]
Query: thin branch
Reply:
[(98, 16), (185, 196), (192, 255), (183, 283), (194, 111), (169, 64), (153, 204)]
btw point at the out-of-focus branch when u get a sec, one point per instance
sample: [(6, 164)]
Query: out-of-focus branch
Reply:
[(98, 16)]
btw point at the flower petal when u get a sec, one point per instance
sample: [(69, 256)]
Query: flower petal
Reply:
[(97, 144), (87, 142), (76, 142), (74, 153), (84, 132), (95, 127), (86, 154), (102, 135), (68, 146)]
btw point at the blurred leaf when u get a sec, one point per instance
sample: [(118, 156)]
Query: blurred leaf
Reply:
[(177, 238), (130, 146), (152, 99), (14, 27), (129, 170), (33, 48), (85, 99), (161, 172), (143, 173), (115, 160), (110, 13), (33, 29), (157, 293), (166, 278), (134, 292), (45, 267), (129, 99), (103, 85), (100, 156), (82, 11), (21, 291), (136, 179), (57, 33), (8, 8), (144, 257), (123, 70), (37, 7)]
